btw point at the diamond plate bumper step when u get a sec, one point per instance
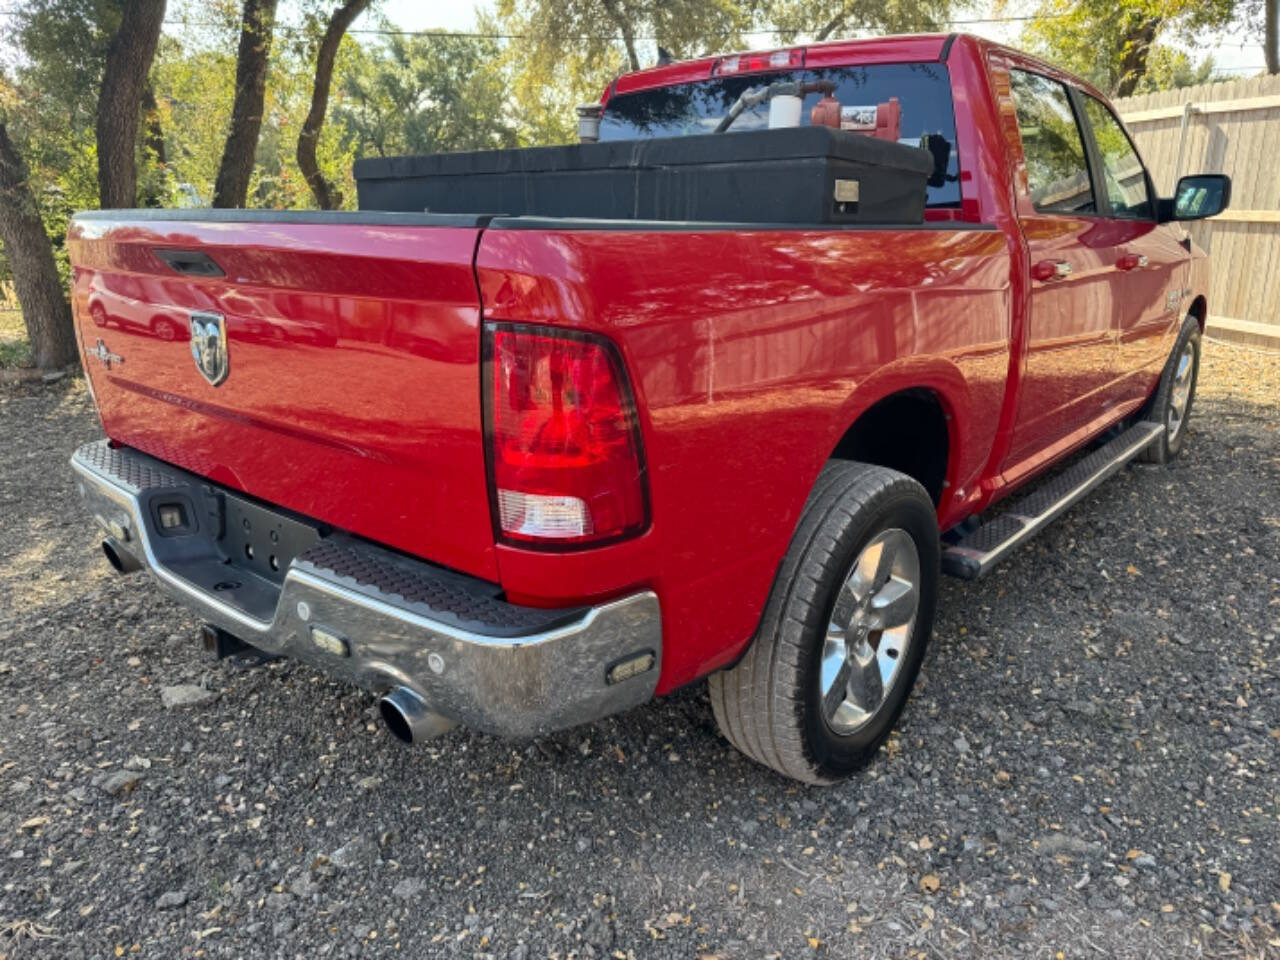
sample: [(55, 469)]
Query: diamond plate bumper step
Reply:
[(980, 550)]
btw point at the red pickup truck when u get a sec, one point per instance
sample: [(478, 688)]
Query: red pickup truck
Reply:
[(521, 472)]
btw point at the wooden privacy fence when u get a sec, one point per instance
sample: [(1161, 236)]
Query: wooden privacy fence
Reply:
[(1231, 128)]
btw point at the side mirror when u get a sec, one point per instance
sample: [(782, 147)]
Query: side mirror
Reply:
[(1198, 196)]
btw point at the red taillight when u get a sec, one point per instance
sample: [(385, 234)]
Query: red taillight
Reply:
[(566, 462), (752, 62)]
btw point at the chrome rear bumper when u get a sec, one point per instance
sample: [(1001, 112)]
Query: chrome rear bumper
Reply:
[(379, 619)]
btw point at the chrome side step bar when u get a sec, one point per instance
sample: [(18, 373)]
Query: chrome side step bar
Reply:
[(980, 550)]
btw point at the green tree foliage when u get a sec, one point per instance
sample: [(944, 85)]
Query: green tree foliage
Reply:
[(823, 19), (49, 102), (194, 80), (569, 50), (424, 95), (1116, 44)]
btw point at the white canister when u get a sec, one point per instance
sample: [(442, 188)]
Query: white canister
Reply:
[(589, 122), (784, 111)]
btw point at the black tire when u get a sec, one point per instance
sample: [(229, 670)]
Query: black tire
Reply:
[(770, 704), (1161, 407)]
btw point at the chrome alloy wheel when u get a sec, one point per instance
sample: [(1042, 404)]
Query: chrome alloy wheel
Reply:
[(871, 628), (1180, 392)]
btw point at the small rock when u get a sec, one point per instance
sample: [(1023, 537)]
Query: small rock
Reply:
[(408, 889), (121, 783), (359, 850), (171, 900), (961, 745), (185, 695), (283, 927), (278, 902), (1056, 843), (1146, 862), (599, 931)]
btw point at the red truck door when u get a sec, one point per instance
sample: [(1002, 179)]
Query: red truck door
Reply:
[(1070, 344), (1152, 261)]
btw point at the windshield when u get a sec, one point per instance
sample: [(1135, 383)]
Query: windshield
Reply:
[(923, 91)]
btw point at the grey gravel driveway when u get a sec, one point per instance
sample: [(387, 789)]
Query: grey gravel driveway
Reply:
[(1089, 766)]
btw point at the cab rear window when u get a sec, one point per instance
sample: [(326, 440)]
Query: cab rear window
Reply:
[(923, 91)]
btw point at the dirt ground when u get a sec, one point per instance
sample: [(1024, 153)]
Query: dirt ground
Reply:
[(1090, 765)]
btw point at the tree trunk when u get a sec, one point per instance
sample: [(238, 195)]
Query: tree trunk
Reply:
[(44, 305), (628, 34), (128, 62), (1133, 63), (327, 196), (1272, 43), (232, 186)]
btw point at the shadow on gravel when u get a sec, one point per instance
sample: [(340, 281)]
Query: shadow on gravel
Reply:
[(1088, 765)]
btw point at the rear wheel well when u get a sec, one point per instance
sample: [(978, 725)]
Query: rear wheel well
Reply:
[(906, 432)]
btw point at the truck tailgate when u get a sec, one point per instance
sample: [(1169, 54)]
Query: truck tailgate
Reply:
[(350, 388)]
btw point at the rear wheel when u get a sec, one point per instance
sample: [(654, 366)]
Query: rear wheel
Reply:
[(844, 630), (1171, 404)]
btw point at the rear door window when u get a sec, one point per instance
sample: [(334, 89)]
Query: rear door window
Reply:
[(1123, 175), (923, 91), (1057, 171)]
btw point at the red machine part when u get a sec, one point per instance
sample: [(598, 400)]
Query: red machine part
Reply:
[(888, 120), (825, 113)]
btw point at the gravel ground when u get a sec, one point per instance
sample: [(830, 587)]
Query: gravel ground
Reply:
[(1088, 766)]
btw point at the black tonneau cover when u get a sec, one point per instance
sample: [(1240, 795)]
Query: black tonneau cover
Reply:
[(810, 175)]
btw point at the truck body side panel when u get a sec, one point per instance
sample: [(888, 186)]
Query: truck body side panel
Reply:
[(752, 352)]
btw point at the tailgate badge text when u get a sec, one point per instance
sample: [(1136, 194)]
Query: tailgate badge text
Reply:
[(105, 356)]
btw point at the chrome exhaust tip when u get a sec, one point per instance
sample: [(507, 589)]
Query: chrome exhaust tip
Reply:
[(121, 560), (409, 718)]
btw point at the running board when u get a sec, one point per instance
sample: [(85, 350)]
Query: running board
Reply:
[(979, 551)]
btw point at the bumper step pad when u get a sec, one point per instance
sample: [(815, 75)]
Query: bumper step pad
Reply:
[(980, 550), (417, 586), (431, 592)]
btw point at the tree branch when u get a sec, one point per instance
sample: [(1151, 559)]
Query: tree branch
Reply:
[(832, 25), (327, 196), (628, 34)]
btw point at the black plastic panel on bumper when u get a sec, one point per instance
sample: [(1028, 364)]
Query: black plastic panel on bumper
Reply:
[(369, 615)]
